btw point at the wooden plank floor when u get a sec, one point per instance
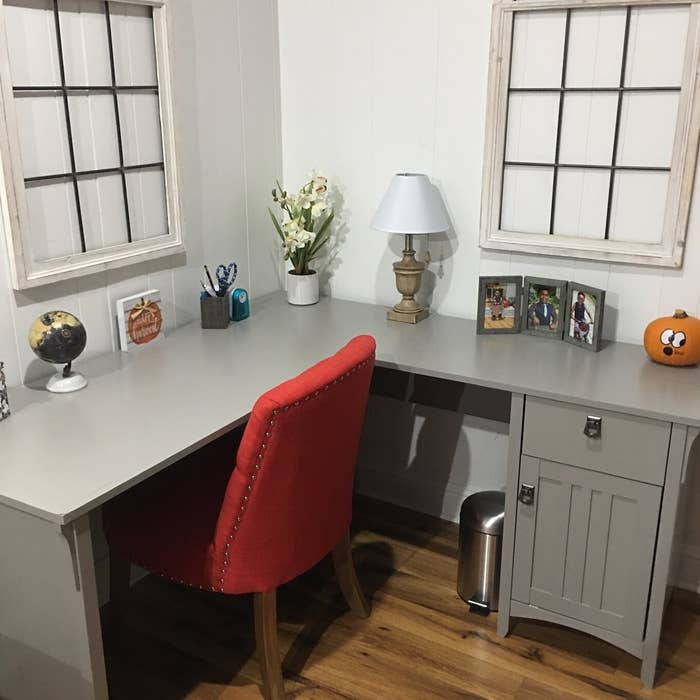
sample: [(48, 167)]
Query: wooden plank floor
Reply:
[(419, 642)]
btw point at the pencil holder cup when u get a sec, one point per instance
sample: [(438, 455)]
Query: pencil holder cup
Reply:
[(215, 312)]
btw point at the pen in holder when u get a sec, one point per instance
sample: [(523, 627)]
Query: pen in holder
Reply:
[(215, 311)]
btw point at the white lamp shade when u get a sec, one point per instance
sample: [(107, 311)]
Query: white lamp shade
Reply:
[(412, 204)]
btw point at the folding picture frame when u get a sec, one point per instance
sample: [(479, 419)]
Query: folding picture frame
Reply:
[(543, 302), (499, 305), (585, 308)]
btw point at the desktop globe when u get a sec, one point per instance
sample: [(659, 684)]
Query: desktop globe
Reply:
[(59, 337)]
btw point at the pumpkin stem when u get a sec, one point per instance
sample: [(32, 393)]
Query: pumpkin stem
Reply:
[(680, 313)]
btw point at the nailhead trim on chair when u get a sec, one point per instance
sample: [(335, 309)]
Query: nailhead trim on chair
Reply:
[(263, 446)]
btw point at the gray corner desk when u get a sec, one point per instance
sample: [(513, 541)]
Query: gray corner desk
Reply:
[(610, 501)]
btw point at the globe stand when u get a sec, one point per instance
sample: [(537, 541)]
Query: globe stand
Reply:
[(66, 381)]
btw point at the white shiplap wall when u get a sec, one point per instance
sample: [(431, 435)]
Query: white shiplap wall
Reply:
[(388, 86), (227, 122), (403, 87)]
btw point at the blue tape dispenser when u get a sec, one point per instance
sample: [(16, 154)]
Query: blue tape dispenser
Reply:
[(240, 305)]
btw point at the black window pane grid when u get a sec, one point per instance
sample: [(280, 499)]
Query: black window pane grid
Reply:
[(17, 89), (621, 89), (63, 90)]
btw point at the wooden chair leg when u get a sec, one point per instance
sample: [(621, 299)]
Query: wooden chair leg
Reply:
[(347, 578), (268, 645), (119, 581)]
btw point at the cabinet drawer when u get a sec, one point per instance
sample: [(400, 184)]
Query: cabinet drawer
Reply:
[(628, 446)]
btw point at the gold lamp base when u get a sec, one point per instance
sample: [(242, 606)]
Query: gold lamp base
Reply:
[(393, 315), (409, 272)]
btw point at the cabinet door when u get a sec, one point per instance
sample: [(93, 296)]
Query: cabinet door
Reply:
[(585, 547)]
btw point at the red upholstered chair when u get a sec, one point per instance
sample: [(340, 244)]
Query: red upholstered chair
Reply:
[(251, 526)]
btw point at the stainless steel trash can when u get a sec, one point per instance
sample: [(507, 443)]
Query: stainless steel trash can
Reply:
[(480, 537)]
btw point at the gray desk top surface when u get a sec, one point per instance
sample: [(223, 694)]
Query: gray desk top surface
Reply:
[(60, 456)]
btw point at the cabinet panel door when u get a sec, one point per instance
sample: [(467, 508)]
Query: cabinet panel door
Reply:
[(585, 548)]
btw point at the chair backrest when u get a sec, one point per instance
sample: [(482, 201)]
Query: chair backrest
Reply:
[(289, 499)]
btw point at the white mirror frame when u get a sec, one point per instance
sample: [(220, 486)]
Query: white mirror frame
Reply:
[(669, 253), (27, 273)]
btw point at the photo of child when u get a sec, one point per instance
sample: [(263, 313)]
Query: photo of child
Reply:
[(499, 305), (582, 317), (543, 304), (499, 310), (585, 308)]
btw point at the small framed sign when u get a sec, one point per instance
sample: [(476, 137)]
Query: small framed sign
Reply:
[(585, 307), (500, 304), (140, 319), (544, 305)]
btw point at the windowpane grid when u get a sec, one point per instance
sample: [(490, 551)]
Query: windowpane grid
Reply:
[(66, 91), (66, 106), (623, 70), (562, 90), (110, 43), (565, 58)]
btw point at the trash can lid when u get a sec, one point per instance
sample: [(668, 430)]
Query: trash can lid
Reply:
[(484, 512)]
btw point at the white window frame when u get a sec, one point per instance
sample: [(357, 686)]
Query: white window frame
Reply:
[(669, 253), (27, 273)]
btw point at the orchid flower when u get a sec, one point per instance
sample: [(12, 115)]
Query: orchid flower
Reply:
[(299, 227)]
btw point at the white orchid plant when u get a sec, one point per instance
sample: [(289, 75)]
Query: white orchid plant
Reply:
[(304, 225)]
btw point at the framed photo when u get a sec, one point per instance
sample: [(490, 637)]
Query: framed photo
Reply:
[(500, 304), (544, 302), (584, 325)]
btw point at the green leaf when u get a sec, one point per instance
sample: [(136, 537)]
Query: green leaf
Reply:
[(327, 222), (323, 234), (318, 244), (299, 260), (277, 224)]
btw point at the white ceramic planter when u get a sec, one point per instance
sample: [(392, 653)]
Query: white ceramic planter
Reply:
[(302, 290)]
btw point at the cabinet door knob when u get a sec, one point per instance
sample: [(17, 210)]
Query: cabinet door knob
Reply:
[(527, 494), (594, 427)]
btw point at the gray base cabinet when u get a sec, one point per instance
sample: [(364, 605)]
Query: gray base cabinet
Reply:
[(585, 548), (586, 507)]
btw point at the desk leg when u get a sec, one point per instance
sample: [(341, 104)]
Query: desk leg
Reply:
[(517, 408), (50, 635), (678, 454)]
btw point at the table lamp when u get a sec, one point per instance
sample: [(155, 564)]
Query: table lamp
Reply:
[(411, 205)]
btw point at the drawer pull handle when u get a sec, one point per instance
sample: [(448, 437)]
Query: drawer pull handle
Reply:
[(527, 494), (594, 427)]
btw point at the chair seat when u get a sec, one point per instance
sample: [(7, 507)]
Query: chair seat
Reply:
[(167, 523)]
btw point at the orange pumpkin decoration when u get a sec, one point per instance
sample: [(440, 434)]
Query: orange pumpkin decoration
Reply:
[(674, 340)]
